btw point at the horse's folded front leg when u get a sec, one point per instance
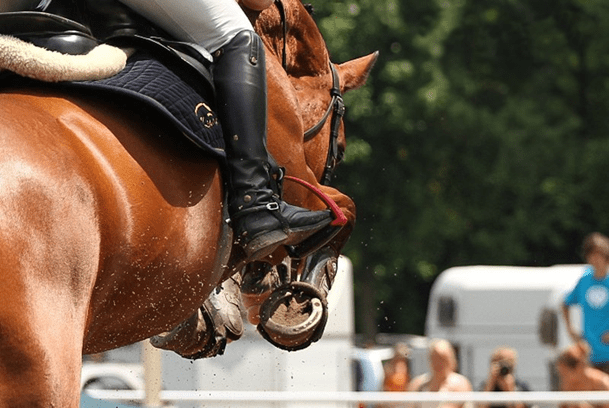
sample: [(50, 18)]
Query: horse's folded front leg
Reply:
[(290, 306), (207, 332), (260, 279)]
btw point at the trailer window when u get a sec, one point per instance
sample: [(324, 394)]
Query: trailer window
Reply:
[(548, 327), (447, 311)]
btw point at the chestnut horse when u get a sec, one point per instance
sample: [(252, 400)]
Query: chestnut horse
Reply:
[(111, 226)]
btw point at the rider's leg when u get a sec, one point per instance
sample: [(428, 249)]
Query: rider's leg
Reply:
[(210, 23), (260, 220)]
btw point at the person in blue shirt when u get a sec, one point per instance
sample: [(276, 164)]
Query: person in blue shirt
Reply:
[(592, 293)]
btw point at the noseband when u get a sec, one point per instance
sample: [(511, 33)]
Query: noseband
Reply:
[(336, 108)]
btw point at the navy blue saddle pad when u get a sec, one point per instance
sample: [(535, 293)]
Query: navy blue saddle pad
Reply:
[(148, 80)]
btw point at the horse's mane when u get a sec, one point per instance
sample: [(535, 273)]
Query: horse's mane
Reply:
[(306, 52)]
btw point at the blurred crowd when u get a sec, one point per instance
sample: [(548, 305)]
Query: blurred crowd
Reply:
[(573, 365), (582, 366)]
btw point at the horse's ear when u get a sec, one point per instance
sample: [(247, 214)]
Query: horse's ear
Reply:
[(354, 73)]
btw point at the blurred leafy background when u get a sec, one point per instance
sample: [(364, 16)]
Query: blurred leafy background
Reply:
[(481, 137)]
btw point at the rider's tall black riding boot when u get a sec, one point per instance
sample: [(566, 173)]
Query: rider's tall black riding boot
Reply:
[(260, 220)]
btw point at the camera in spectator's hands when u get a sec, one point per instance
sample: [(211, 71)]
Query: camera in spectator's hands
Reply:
[(505, 369)]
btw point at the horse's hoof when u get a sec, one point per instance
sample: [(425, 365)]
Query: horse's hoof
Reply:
[(294, 316)]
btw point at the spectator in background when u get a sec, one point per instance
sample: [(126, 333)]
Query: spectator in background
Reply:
[(501, 376), (397, 373), (443, 376), (592, 293), (577, 375)]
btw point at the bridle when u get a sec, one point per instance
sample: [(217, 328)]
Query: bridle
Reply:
[(336, 108)]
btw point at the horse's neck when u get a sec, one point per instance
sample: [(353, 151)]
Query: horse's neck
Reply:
[(303, 45)]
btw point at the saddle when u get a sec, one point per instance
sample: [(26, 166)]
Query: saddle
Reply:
[(170, 77)]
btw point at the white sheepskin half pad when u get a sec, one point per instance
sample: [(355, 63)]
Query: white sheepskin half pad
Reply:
[(30, 61)]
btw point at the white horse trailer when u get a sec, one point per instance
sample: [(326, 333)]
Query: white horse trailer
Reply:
[(478, 308)]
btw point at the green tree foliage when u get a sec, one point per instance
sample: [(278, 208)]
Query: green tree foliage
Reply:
[(480, 138)]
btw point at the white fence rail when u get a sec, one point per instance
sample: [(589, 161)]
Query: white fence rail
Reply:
[(533, 397)]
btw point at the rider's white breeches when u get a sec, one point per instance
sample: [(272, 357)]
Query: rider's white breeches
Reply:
[(210, 23)]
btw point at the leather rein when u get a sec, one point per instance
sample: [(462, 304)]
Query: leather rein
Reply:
[(336, 109)]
